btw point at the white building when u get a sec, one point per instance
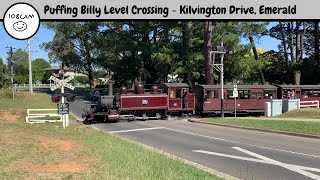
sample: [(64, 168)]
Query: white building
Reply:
[(67, 71)]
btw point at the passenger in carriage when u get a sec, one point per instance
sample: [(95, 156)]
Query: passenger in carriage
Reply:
[(291, 95)]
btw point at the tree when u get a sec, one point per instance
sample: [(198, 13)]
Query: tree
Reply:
[(20, 66), (250, 31), (229, 33), (243, 67), (147, 52), (75, 45), (276, 67), (3, 76), (207, 51), (285, 49), (294, 40), (38, 70)]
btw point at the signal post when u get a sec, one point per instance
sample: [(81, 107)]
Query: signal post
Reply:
[(63, 107)]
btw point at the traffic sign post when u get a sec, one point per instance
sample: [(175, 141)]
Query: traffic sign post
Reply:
[(235, 95), (63, 108)]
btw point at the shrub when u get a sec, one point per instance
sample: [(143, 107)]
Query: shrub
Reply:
[(7, 94), (81, 79)]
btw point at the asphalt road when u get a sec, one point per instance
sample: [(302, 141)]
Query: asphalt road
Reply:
[(241, 153)]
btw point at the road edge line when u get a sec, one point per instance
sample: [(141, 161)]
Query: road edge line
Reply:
[(258, 129), (174, 157)]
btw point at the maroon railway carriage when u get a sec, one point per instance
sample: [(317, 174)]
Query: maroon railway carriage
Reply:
[(299, 91), (302, 92), (251, 98)]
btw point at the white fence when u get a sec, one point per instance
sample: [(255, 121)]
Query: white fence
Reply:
[(48, 85), (304, 104), (38, 116)]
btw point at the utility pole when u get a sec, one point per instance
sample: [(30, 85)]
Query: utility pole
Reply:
[(10, 63), (11, 68), (30, 69), (219, 67)]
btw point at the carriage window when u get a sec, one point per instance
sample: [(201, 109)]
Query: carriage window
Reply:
[(209, 94), (214, 93), (305, 93), (230, 94), (316, 93), (172, 93), (269, 94), (256, 95), (244, 94), (285, 93), (178, 93)]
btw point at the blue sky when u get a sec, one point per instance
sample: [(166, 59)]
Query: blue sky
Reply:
[(43, 35), (46, 35)]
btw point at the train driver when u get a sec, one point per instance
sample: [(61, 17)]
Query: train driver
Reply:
[(184, 98)]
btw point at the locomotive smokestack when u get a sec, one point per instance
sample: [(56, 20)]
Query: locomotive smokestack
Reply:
[(110, 89)]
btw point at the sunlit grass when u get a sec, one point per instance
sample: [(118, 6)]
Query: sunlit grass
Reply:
[(47, 151), (281, 125), (312, 113)]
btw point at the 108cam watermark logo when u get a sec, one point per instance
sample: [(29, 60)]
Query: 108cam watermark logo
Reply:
[(21, 21)]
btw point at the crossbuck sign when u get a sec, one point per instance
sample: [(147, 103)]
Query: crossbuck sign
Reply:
[(60, 83), (63, 108)]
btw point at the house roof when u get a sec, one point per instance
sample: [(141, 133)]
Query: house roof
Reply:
[(58, 68), (176, 85)]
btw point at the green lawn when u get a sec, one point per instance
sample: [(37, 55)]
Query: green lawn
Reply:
[(24, 101), (280, 125), (47, 151), (312, 113)]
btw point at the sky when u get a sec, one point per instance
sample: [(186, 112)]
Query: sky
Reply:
[(45, 35)]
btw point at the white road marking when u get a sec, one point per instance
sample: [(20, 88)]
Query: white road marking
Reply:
[(295, 168), (265, 160), (228, 155), (252, 145), (132, 130)]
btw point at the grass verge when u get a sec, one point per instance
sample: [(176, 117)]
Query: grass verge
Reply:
[(309, 113), (47, 151), (279, 125)]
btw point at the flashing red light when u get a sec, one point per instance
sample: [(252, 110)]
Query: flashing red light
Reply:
[(56, 98)]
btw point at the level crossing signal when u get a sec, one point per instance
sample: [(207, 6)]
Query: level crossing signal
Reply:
[(57, 97)]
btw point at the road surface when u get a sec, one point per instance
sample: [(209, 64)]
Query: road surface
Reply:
[(241, 153)]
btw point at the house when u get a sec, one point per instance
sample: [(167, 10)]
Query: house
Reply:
[(67, 71)]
